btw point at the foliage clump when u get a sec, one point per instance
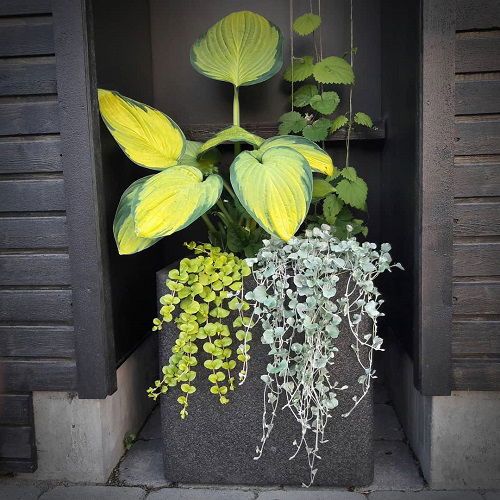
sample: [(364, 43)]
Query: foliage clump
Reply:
[(203, 291), (306, 289)]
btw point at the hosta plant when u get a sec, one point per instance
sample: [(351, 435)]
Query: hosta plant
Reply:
[(306, 289), (269, 188)]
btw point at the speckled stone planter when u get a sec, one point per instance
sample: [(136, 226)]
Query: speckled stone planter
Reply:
[(216, 444)]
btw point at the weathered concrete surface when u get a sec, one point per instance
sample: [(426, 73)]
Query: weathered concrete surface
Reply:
[(19, 492), (94, 493), (143, 465), (216, 444), (200, 494), (81, 440), (387, 426), (465, 450), (395, 468), (425, 495), (456, 438), (310, 495)]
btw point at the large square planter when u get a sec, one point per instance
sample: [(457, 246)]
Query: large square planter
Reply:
[(216, 443)]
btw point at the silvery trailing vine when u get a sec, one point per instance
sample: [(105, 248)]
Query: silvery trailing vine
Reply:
[(297, 302)]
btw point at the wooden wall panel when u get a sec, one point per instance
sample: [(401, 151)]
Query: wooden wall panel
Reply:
[(34, 269), (15, 409), (28, 75), (477, 52), (476, 258), (480, 96), (24, 7), (477, 135), (473, 218), (37, 341), (476, 176), (33, 231), (30, 154), (26, 36), (32, 194), (29, 116)]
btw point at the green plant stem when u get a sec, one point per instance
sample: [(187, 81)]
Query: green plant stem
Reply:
[(220, 204), (229, 189), (236, 117), (208, 223)]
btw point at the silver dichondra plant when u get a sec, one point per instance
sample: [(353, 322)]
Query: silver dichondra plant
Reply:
[(305, 289)]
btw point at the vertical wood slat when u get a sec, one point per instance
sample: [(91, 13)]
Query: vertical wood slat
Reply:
[(77, 93), (434, 311)]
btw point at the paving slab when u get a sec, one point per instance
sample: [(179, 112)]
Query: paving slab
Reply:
[(19, 492), (152, 427), (200, 494), (492, 495), (93, 493), (387, 425), (395, 468), (143, 465), (424, 495), (303, 494)]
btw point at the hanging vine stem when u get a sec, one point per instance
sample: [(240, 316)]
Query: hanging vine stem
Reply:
[(309, 291), (349, 127)]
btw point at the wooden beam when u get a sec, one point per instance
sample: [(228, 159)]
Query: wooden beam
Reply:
[(435, 185), (203, 132), (79, 117)]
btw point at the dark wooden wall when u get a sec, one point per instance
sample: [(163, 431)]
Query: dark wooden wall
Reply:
[(476, 176), (36, 324)]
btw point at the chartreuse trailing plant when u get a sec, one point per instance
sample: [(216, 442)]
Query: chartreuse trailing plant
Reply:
[(307, 290), (270, 185), (315, 82), (204, 290)]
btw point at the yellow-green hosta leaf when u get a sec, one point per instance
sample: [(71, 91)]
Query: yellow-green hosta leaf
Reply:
[(206, 162), (123, 226), (147, 136), (243, 48), (172, 199), (232, 134), (319, 160), (275, 187)]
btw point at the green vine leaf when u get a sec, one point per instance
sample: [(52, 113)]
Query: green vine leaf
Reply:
[(331, 208), (333, 69), (363, 119), (306, 24), (301, 68), (292, 121), (318, 130), (302, 96), (338, 123), (321, 188), (353, 193), (326, 103)]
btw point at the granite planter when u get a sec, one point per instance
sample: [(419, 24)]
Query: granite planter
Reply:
[(216, 444)]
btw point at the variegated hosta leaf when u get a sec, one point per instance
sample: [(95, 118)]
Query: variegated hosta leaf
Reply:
[(232, 134), (206, 162), (172, 199), (275, 187), (319, 160), (123, 226), (243, 48), (147, 136)]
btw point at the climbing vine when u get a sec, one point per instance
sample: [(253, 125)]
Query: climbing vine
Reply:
[(306, 289), (203, 292)]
